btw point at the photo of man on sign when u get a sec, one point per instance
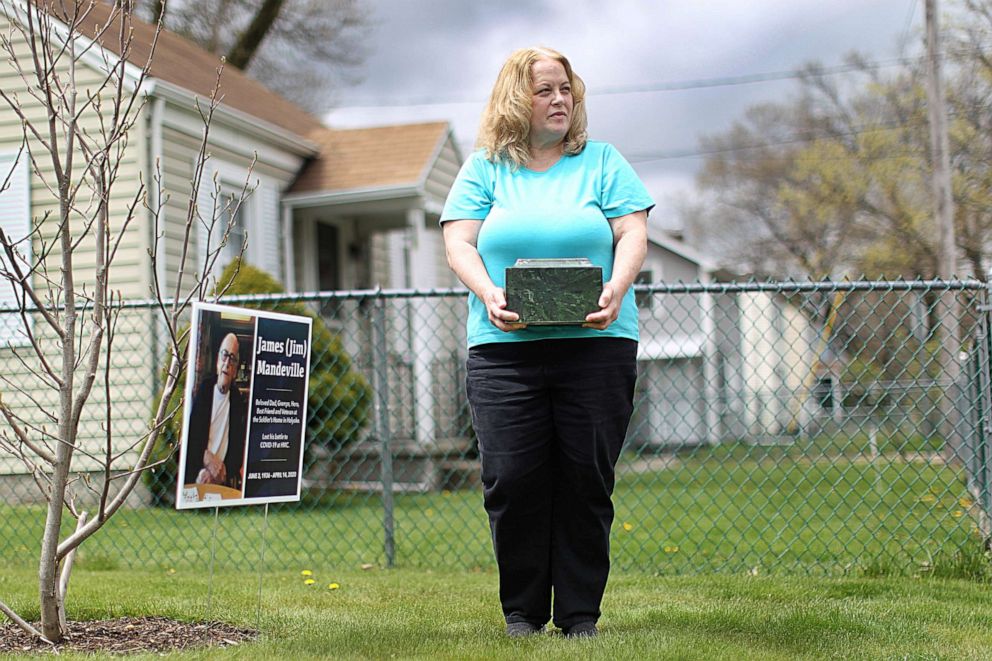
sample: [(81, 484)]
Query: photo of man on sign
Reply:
[(217, 421), (216, 429)]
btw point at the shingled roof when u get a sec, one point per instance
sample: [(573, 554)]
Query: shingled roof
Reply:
[(184, 64), (375, 157), (349, 159)]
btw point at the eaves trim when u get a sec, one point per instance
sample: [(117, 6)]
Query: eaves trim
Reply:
[(351, 195), (239, 119)]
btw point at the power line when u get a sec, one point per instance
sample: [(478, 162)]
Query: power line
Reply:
[(747, 79), (678, 85), (910, 15), (693, 153), (671, 86), (690, 152)]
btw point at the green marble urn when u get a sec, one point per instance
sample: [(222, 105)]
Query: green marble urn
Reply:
[(553, 292)]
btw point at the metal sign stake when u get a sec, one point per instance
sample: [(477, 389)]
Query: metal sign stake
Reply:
[(213, 554), (261, 568)]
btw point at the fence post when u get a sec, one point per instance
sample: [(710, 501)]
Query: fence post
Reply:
[(380, 372), (983, 383)]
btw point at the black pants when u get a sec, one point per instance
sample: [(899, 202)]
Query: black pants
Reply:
[(551, 416)]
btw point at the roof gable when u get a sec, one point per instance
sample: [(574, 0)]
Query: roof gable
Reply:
[(184, 64), (378, 157)]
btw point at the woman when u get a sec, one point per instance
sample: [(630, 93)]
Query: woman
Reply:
[(550, 405)]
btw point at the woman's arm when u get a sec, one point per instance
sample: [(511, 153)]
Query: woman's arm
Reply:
[(630, 245), (460, 238)]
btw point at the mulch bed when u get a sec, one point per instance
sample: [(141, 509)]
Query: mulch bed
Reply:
[(128, 635)]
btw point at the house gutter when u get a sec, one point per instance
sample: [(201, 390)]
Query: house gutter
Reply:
[(372, 194), (288, 250), (237, 119), (156, 183), (154, 169)]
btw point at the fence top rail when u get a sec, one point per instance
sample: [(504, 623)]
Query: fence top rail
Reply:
[(798, 286), (773, 286)]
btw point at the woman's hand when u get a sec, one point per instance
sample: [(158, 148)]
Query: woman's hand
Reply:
[(609, 304), (499, 316)]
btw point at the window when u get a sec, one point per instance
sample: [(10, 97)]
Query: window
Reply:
[(233, 219), (15, 219), (823, 392), (645, 300), (257, 218)]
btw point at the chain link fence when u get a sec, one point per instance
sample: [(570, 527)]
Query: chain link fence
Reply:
[(821, 428)]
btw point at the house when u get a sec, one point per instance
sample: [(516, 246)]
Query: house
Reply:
[(717, 366), (365, 214), (767, 350), (322, 209), (675, 401)]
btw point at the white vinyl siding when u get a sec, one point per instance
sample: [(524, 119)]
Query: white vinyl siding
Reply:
[(131, 367), (15, 220), (266, 249), (259, 212)]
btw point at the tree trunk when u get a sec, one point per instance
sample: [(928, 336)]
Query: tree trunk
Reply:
[(48, 567), (250, 40)]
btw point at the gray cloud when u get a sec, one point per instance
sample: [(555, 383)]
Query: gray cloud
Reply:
[(450, 51)]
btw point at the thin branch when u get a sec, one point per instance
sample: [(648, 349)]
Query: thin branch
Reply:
[(16, 619), (23, 437), (77, 538)]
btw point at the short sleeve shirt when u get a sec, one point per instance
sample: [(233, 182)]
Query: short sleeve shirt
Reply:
[(562, 212)]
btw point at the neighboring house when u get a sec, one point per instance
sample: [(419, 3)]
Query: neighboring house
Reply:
[(767, 348), (325, 209), (675, 399), (365, 214), (717, 367)]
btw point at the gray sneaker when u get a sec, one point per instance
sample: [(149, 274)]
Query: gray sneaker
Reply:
[(522, 629), (582, 630)]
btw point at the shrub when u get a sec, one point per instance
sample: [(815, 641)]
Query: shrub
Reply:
[(339, 400)]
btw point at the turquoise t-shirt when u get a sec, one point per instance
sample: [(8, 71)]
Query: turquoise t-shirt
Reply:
[(561, 212)]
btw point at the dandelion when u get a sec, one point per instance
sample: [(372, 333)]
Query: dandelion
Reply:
[(628, 526), (306, 572), (929, 498), (309, 581), (333, 586), (957, 514), (966, 502), (172, 570), (671, 549)]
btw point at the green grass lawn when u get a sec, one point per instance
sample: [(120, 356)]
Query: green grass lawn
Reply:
[(429, 614), (732, 553), (732, 509)]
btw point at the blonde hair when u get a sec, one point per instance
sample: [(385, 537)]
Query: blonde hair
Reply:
[(504, 132)]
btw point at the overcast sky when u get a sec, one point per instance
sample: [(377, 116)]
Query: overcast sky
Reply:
[(438, 60)]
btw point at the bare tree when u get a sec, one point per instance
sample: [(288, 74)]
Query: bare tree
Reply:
[(74, 141), (303, 49), (866, 135)]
